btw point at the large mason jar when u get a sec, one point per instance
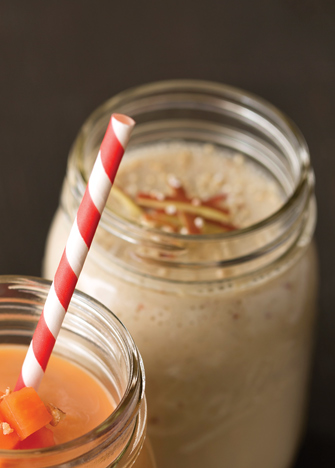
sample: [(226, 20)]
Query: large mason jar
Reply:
[(224, 319)]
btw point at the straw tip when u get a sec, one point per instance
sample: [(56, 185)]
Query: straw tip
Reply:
[(124, 119), (122, 126)]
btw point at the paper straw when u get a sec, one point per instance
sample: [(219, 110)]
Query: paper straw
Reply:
[(76, 250)]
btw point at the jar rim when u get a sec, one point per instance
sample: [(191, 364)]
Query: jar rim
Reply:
[(131, 400), (245, 98), (226, 116)]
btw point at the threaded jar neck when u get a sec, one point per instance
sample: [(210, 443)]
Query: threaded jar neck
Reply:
[(199, 112)]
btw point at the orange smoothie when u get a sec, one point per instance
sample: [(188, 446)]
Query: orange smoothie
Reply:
[(68, 387), (75, 391), (95, 376)]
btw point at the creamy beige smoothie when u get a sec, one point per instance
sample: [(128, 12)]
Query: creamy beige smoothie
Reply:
[(223, 315)]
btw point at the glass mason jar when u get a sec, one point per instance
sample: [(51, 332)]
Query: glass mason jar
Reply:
[(224, 321), (93, 338)]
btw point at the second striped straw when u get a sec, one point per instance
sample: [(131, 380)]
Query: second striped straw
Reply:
[(76, 249)]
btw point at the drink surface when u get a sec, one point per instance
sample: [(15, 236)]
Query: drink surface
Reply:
[(76, 392), (227, 360), (68, 387), (247, 194)]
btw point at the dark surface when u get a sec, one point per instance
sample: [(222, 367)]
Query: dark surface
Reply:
[(61, 59)]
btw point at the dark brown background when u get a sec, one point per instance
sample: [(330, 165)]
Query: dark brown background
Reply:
[(61, 59)]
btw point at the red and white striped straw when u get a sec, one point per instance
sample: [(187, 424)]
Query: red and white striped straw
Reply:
[(76, 250)]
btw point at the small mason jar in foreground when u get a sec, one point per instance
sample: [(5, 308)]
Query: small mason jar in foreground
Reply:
[(224, 320), (94, 339)]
